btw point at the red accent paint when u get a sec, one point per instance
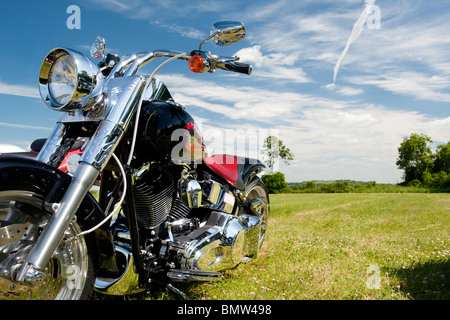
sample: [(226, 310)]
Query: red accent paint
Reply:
[(63, 165), (224, 165)]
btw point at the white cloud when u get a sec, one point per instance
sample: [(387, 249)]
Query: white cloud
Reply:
[(19, 90), (275, 65), (410, 38), (300, 42), (23, 126), (414, 84), (184, 31), (244, 102), (331, 139), (344, 90), (348, 91), (160, 13), (358, 143)]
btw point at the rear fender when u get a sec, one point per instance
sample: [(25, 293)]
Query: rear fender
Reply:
[(19, 173), (247, 170)]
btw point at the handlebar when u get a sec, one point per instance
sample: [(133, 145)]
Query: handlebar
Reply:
[(143, 58), (129, 65)]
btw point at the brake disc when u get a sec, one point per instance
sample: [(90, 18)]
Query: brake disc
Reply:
[(17, 232)]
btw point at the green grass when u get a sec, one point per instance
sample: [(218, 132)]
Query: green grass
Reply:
[(330, 246)]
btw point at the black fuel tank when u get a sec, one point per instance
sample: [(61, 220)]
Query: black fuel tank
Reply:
[(166, 128)]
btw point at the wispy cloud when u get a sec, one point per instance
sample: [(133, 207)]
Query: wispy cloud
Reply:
[(344, 90), (160, 13), (414, 84), (244, 102), (275, 65), (23, 126), (187, 32), (360, 140), (19, 90)]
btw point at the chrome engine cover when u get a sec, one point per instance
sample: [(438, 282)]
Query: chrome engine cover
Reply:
[(222, 243)]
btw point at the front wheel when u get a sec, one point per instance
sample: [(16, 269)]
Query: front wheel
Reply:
[(68, 276)]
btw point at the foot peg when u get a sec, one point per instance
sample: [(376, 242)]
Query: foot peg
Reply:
[(186, 275)]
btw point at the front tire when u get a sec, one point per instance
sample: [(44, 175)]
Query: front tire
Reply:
[(70, 272)]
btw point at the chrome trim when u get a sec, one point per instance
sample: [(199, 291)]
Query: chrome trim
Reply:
[(126, 283), (88, 79), (144, 58), (123, 101), (220, 198), (49, 152), (225, 33), (230, 241), (120, 68), (182, 275), (191, 192), (122, 105)]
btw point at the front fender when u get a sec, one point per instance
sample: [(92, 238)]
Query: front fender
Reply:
[(19, 173)]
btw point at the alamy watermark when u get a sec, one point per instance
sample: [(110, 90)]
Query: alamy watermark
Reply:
[(374, 280), (245, 144), (74, 20), (373, 18)]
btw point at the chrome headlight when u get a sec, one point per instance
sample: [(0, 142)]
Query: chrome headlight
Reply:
[(67, 79)]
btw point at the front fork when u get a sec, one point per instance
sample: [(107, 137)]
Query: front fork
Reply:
[(124, 96), (53, 233)]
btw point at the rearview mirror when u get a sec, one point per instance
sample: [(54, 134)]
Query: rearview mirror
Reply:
[(227, 32), (224, 33), (98, 47)]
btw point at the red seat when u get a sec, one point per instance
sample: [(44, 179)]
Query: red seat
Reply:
[(223, 165)]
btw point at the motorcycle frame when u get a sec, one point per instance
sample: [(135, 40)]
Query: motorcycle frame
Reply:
[(112, 110)]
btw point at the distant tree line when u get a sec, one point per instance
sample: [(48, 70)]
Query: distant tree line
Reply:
[(424, 171), (275, 184)]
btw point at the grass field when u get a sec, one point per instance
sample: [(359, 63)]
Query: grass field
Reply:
[(345, 246), (342, 247)]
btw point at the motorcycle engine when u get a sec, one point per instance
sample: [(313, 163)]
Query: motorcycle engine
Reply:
[(156, 200)]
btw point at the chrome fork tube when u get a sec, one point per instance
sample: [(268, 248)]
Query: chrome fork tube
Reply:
[(53, 233)]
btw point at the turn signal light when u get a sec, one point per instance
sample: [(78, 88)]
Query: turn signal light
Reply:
[(197, 64)]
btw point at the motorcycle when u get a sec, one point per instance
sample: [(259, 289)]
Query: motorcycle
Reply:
[(166, 211)]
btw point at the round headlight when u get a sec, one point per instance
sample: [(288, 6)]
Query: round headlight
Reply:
[(67, 79)]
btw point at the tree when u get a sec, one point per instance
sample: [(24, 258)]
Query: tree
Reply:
[(442, 159), (275, 149), (415, 157), (274, 182)]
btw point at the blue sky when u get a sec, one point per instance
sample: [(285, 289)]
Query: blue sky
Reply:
[(391, 81)]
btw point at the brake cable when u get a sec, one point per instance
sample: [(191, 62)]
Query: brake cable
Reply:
[(138, 111)]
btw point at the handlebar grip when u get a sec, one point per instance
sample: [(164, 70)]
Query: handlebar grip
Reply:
[(236, 67)]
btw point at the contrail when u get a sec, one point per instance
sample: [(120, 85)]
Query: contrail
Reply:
[(356, 32)]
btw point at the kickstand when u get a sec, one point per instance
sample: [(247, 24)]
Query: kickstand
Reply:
[(178, 291)]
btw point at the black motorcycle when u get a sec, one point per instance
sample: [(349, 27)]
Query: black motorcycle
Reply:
[(165, 211)]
